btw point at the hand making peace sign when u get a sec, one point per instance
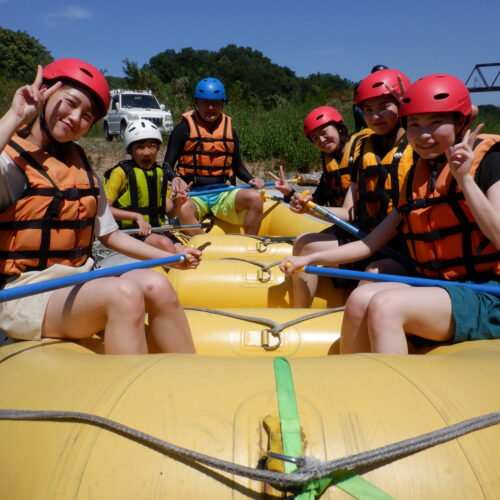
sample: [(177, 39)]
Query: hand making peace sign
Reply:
[(29, 99), (461, 155)]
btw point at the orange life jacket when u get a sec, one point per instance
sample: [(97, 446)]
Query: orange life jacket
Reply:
[(53, 221), (441, 233), (337, 176), (379, 180), (207, 153)]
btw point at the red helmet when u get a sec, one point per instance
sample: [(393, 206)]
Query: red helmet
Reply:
[(321, 116), (374, 85), (436, 94), (82, 73)]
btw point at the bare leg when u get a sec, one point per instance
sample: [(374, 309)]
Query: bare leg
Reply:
[(167, 321), (354, 332), (117, 307), (188, 214), (305, 285), (393, 314), (162, 242), (250, 200), (113, 305)]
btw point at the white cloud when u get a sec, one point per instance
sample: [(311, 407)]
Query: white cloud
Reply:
[(72, 13)]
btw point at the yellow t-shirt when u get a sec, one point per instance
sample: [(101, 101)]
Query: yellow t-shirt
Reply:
[(116, 185)]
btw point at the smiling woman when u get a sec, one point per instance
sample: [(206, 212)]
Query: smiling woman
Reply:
[(53, 208)]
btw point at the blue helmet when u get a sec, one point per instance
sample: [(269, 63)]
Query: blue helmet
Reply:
[(210, 88)]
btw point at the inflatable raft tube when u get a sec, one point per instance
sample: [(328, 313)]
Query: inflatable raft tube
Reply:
[(218, 246), (260, 332), (279, 228), (278, 220), (217, 406), (221, 283), (239, 282)]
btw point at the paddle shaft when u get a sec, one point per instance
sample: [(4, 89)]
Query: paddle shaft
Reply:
[(172, 227), (362, 275), (77, 279), (360, 234), (228, 188)]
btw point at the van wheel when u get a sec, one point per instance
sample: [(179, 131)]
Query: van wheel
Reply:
[(107, 135), (123, 127)]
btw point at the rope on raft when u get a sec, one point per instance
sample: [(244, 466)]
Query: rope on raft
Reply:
[(308, 468), (274, 327)]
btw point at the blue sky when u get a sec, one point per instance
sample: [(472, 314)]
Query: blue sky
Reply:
[(339, 37)]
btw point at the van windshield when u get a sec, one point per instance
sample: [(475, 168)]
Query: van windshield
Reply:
[(139, 101)]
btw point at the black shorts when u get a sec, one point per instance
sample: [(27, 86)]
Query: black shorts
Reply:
[(167, 234), (343, 237)]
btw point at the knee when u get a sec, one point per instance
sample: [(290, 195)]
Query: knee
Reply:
[(255, 201), (127, 301), (165, 243), (161, 242), (248, 199), (158, 291), (372, 268), (301, 244), (187, 209), (357, 304), (380, 313)]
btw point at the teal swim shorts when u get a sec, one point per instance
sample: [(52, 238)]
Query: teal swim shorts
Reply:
[(221, 205), (476, 314)]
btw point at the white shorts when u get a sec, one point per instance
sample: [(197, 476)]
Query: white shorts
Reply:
[(22, 318)]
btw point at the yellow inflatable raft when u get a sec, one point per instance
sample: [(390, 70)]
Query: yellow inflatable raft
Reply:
[(218, 406), (241, 282), (274, 241), (240, 270), (223, 402)]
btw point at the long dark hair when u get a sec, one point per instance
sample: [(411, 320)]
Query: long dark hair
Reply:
[(343, 136)]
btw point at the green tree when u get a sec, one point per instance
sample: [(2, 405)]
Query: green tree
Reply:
[(250, 77), (19, 56), (141, 78)]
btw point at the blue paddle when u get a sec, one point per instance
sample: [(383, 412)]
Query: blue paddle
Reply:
[(408, 263), (362, 275), (224, 189), (76, 279)]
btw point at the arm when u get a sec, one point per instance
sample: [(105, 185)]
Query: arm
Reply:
[(484, 207), (26, 104), (240, 170), (125, 244), (298, 204), (351, 252), (143, 225), (115, 186), (176, 142)]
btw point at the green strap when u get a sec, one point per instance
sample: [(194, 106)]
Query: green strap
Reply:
[(291, 436), (289, 413)]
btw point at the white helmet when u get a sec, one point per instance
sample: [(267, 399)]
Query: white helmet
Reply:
[(140, 130)]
